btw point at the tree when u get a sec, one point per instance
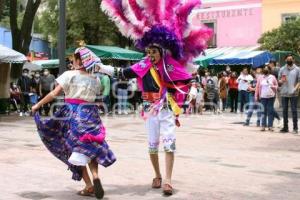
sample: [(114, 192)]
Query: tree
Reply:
[(4, 13), (286, 38), (85, 21), (21, 34)]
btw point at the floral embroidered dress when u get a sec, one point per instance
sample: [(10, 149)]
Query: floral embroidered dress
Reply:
[(75, 133)]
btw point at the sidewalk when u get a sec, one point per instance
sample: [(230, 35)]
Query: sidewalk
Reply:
[(217, 159)]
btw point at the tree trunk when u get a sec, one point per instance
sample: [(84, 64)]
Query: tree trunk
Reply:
[(21, 37)]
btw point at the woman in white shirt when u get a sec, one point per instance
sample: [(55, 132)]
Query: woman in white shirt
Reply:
[(265, 92), (75, 134)]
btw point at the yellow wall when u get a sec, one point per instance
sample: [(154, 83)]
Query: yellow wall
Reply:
[(273, 9)]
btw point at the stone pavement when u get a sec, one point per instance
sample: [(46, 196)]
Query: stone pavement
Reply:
[(217, 159)]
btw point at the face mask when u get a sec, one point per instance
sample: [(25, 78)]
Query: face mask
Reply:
[(46, 73), (14, 86), (37, 76), (289, 62), (25, 74), (266, 72)]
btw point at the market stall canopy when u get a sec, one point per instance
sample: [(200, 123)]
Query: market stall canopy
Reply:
[(252, 58), (112, 52), (49, 64), (210, 54), (8, 55), (32, 67)]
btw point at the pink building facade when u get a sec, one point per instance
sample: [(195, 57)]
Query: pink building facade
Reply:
[(235, 23)]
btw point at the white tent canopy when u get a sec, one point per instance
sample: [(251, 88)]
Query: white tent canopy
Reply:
[(8, 55)]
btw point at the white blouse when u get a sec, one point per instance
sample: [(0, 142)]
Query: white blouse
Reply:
[(79, 86)]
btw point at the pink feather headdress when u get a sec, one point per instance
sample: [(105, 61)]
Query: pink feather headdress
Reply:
[(163, 22)]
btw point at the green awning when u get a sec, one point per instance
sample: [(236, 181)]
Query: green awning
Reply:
[(280, 56), (204, 61), (49, 64), (112, 52)]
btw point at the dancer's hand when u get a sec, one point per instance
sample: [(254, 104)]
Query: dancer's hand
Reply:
[(35, 108)]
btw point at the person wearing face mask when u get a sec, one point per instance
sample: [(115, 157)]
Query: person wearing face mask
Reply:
[(24, 84), (265, 93), (244, 81), (289, 80), (35, 85), (15, 96), (46, 86), (256, 74)]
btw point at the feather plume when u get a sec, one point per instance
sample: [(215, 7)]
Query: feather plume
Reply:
[(182, 14), (152, 8)]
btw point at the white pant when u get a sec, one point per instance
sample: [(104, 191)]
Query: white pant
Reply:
[(79, 159), (162, 124)]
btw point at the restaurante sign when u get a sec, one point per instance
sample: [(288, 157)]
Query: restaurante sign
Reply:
[(225, 13)]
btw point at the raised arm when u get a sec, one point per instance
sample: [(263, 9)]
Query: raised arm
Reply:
[(123, 73), (50, 97)]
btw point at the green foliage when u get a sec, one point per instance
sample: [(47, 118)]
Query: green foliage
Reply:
[(85, 21), (285, 38), (4, 13)]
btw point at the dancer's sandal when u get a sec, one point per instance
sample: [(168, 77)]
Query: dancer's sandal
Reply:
[(86, 192), (98, 189), (167, 189), (156, 183)]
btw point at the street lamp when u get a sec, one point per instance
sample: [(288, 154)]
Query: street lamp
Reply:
[(62, 36)]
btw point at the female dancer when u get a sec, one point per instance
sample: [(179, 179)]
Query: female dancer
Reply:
[(75, 134)]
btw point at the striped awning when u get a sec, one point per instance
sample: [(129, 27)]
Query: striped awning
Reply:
[(206, 59), (8, 55), (251, 58)]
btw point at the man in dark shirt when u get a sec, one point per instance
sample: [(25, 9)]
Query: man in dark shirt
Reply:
[(46, 86), (24, 84)]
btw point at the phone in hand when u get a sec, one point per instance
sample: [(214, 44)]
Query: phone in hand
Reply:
[(283, 78)]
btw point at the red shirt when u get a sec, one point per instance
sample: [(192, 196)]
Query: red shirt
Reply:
[(232, 83)]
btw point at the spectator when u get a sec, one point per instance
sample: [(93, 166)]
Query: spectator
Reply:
[(244, 81), (233, 92), (15, 96), (211, 94), (24, 84), (105, 84), (275, 71), (199, 99), (132, 88), (265, 93), (289, 79), (228, 71), (223, 89), (35, 86), (253, 105), (204, 83), (274, 68), (47, 84), (122, 96)]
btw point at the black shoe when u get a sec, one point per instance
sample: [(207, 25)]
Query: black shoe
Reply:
[(295, 131), (99, 192), (284, 130)]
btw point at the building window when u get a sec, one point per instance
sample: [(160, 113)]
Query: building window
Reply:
[(212, 25), (290, 17)]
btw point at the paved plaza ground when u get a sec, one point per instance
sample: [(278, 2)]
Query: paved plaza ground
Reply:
[(217, 159)]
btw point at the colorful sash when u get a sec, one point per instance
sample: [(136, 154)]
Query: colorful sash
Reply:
[(174, 106)]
